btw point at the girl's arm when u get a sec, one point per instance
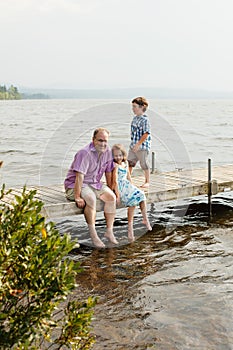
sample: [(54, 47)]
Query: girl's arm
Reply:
[(129, 176), (115, 183)]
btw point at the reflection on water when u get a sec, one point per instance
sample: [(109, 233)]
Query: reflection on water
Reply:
[(170, 289)]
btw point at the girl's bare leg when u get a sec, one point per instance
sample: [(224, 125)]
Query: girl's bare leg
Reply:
[(144, 215), (130, 224)]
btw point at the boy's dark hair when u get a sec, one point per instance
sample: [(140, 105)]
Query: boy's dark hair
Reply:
[(141, 101)]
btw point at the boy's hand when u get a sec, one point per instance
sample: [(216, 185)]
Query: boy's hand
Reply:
[(136, 147)]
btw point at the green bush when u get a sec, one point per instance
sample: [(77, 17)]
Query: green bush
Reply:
[(35, 277)]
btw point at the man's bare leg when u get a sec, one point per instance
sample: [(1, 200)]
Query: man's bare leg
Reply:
[(90, 216), (109, 214), (109, 232), (94, 237)]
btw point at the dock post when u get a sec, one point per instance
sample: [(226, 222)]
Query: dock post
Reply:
[(153, 162), (209, 190)]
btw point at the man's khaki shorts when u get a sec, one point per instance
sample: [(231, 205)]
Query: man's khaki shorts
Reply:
[(87, 190)]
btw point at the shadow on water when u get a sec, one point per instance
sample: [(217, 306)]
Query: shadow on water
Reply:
[(171, 288)]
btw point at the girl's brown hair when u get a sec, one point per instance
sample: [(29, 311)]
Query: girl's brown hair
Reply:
[(120, 147)]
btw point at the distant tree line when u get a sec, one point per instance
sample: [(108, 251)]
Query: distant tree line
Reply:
[(36, 96), (11, 93)]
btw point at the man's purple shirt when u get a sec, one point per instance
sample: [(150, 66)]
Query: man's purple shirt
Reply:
[(88, 162)]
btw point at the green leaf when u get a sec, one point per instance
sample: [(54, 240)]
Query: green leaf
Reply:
[(35, 277)]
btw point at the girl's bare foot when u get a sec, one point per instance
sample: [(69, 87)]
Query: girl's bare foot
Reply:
[(110, 236), (148, 226), (131, 237)]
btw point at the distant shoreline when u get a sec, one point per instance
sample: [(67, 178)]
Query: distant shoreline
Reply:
[(124, 93), (24, 93)]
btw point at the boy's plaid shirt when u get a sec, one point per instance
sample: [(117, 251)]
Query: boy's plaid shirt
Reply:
[(140, 126)]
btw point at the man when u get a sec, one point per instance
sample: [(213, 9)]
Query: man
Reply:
[(83, 185)]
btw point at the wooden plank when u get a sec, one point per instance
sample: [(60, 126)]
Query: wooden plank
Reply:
[(163, 186)]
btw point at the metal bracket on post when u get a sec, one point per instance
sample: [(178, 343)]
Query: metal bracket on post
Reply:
[(214, 187)]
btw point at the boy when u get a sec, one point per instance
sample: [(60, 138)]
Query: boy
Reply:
[(140, 139)]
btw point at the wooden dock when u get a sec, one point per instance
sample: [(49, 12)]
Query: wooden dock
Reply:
[(163, 186)]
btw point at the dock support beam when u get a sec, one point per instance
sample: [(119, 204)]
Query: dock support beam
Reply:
[(209, 190)]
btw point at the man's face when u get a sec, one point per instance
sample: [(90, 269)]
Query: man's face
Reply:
[(137, 110), (101, 141)]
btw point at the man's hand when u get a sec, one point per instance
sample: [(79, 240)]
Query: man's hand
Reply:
[(80, 202)]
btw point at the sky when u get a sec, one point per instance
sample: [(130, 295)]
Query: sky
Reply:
[(117, 44)]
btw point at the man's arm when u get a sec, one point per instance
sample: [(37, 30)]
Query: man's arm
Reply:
[(77, 190), (111, 179), (108, 176)]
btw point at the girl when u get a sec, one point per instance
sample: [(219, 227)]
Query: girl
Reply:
[(126, 192)]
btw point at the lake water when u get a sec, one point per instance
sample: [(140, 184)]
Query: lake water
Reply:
[(173, 287)]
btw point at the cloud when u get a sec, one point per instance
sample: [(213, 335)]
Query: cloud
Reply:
[(24, 7), (69, 6), (117, 42)]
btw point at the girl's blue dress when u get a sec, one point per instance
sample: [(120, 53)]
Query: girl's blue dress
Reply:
[(130, 195)]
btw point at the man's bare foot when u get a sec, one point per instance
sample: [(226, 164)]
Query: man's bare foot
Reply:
[(95, 238), (145, 185), (131, 237), (148, 226), (110, 236), (97, 242)]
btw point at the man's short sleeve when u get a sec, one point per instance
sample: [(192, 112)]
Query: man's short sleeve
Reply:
[(81, 162), (110, 166)]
